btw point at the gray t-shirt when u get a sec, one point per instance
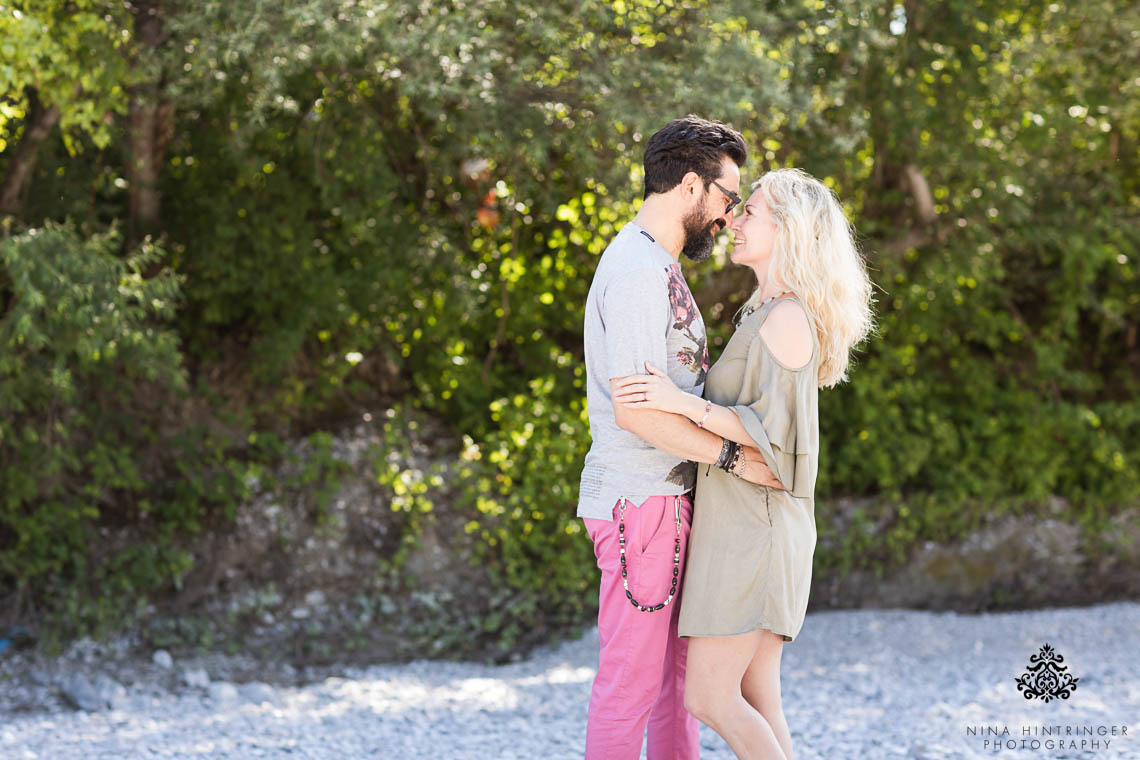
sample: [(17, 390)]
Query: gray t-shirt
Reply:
[(639, 309)]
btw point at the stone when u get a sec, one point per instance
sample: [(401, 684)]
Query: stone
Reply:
[(110, 691), (1010, 562), (163, 659), (258, 692), (81, 694), (196, 678), (220, 691), (122, 702)]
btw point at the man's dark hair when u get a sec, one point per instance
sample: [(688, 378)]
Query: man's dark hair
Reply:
[(691, 144)]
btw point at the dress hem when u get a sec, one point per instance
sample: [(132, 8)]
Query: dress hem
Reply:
[(755, 627)]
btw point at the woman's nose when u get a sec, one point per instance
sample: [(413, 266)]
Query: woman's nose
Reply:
[(733, 219)]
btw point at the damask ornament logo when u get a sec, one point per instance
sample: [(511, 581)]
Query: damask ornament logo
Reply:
[(1046, 677)]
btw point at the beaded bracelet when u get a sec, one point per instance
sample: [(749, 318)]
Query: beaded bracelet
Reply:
[(708, 408), (737, 458), (737, 451)]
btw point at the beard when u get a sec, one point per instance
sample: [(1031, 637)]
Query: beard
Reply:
[(699, 236)]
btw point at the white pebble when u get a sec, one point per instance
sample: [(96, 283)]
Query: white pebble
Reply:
[(220, 691), (196, 678)]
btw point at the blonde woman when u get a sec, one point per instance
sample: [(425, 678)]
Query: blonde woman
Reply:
[(750, 551)]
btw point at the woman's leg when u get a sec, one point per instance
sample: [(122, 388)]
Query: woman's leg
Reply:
[(761, 688), (714, 678)]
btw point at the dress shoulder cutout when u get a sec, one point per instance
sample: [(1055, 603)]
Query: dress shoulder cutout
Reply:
[(788, 334)]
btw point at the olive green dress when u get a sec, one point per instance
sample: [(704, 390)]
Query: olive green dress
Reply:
[(750, 550)]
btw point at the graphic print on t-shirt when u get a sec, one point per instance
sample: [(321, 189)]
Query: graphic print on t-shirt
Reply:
[(696, 357)]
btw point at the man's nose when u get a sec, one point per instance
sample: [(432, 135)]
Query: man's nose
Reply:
[(730, 220)]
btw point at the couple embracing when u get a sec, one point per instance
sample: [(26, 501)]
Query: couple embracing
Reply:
[(697, 490)]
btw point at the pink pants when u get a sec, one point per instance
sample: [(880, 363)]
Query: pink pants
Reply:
[(641, 666)]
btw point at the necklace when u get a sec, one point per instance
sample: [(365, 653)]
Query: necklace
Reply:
[(760, 305), (676, 558)]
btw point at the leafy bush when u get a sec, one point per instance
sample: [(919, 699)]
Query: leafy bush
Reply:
[(86, 367), (77, 332), (401, 207)]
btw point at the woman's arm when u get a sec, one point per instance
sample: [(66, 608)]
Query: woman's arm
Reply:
[(657, 391), (721, 420)]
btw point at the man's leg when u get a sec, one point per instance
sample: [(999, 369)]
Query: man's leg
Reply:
[(674, 734), (634, 644)]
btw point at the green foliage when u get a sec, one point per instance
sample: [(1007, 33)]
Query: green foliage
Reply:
[(532, 574), (82, 336), (401, 206), (87, 367), (522, 481), (73, 54)]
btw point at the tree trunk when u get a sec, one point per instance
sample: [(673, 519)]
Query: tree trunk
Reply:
[(151, 123), (41, 121), (920, 193)]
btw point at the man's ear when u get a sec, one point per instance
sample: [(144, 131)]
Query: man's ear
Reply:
[(689, 184)]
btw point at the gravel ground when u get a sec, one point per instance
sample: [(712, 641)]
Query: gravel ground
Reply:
[(856, 684)]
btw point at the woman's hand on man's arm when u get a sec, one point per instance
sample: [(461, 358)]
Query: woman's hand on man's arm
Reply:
[(655, 391)]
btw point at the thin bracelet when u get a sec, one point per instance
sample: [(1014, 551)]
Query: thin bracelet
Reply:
[(738, 460), (708, 408)]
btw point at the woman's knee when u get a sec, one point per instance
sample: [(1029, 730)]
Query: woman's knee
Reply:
[(706, 701), (699, 707), (761, 683), (765, 699)]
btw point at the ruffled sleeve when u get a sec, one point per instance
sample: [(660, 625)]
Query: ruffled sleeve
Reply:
[(777, 407)]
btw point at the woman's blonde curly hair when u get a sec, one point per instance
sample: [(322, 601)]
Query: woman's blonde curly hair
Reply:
[(816, 257)]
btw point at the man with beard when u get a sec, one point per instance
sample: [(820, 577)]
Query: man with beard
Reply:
[(635, 495)]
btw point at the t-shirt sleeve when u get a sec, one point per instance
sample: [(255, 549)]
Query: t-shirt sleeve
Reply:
[(635, 314), (780, 420)]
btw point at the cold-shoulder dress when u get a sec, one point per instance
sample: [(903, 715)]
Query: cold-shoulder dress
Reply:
[(750, 550)]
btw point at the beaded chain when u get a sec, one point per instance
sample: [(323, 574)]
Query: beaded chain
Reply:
[(760, 305), (676, 558), (737, 457)]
